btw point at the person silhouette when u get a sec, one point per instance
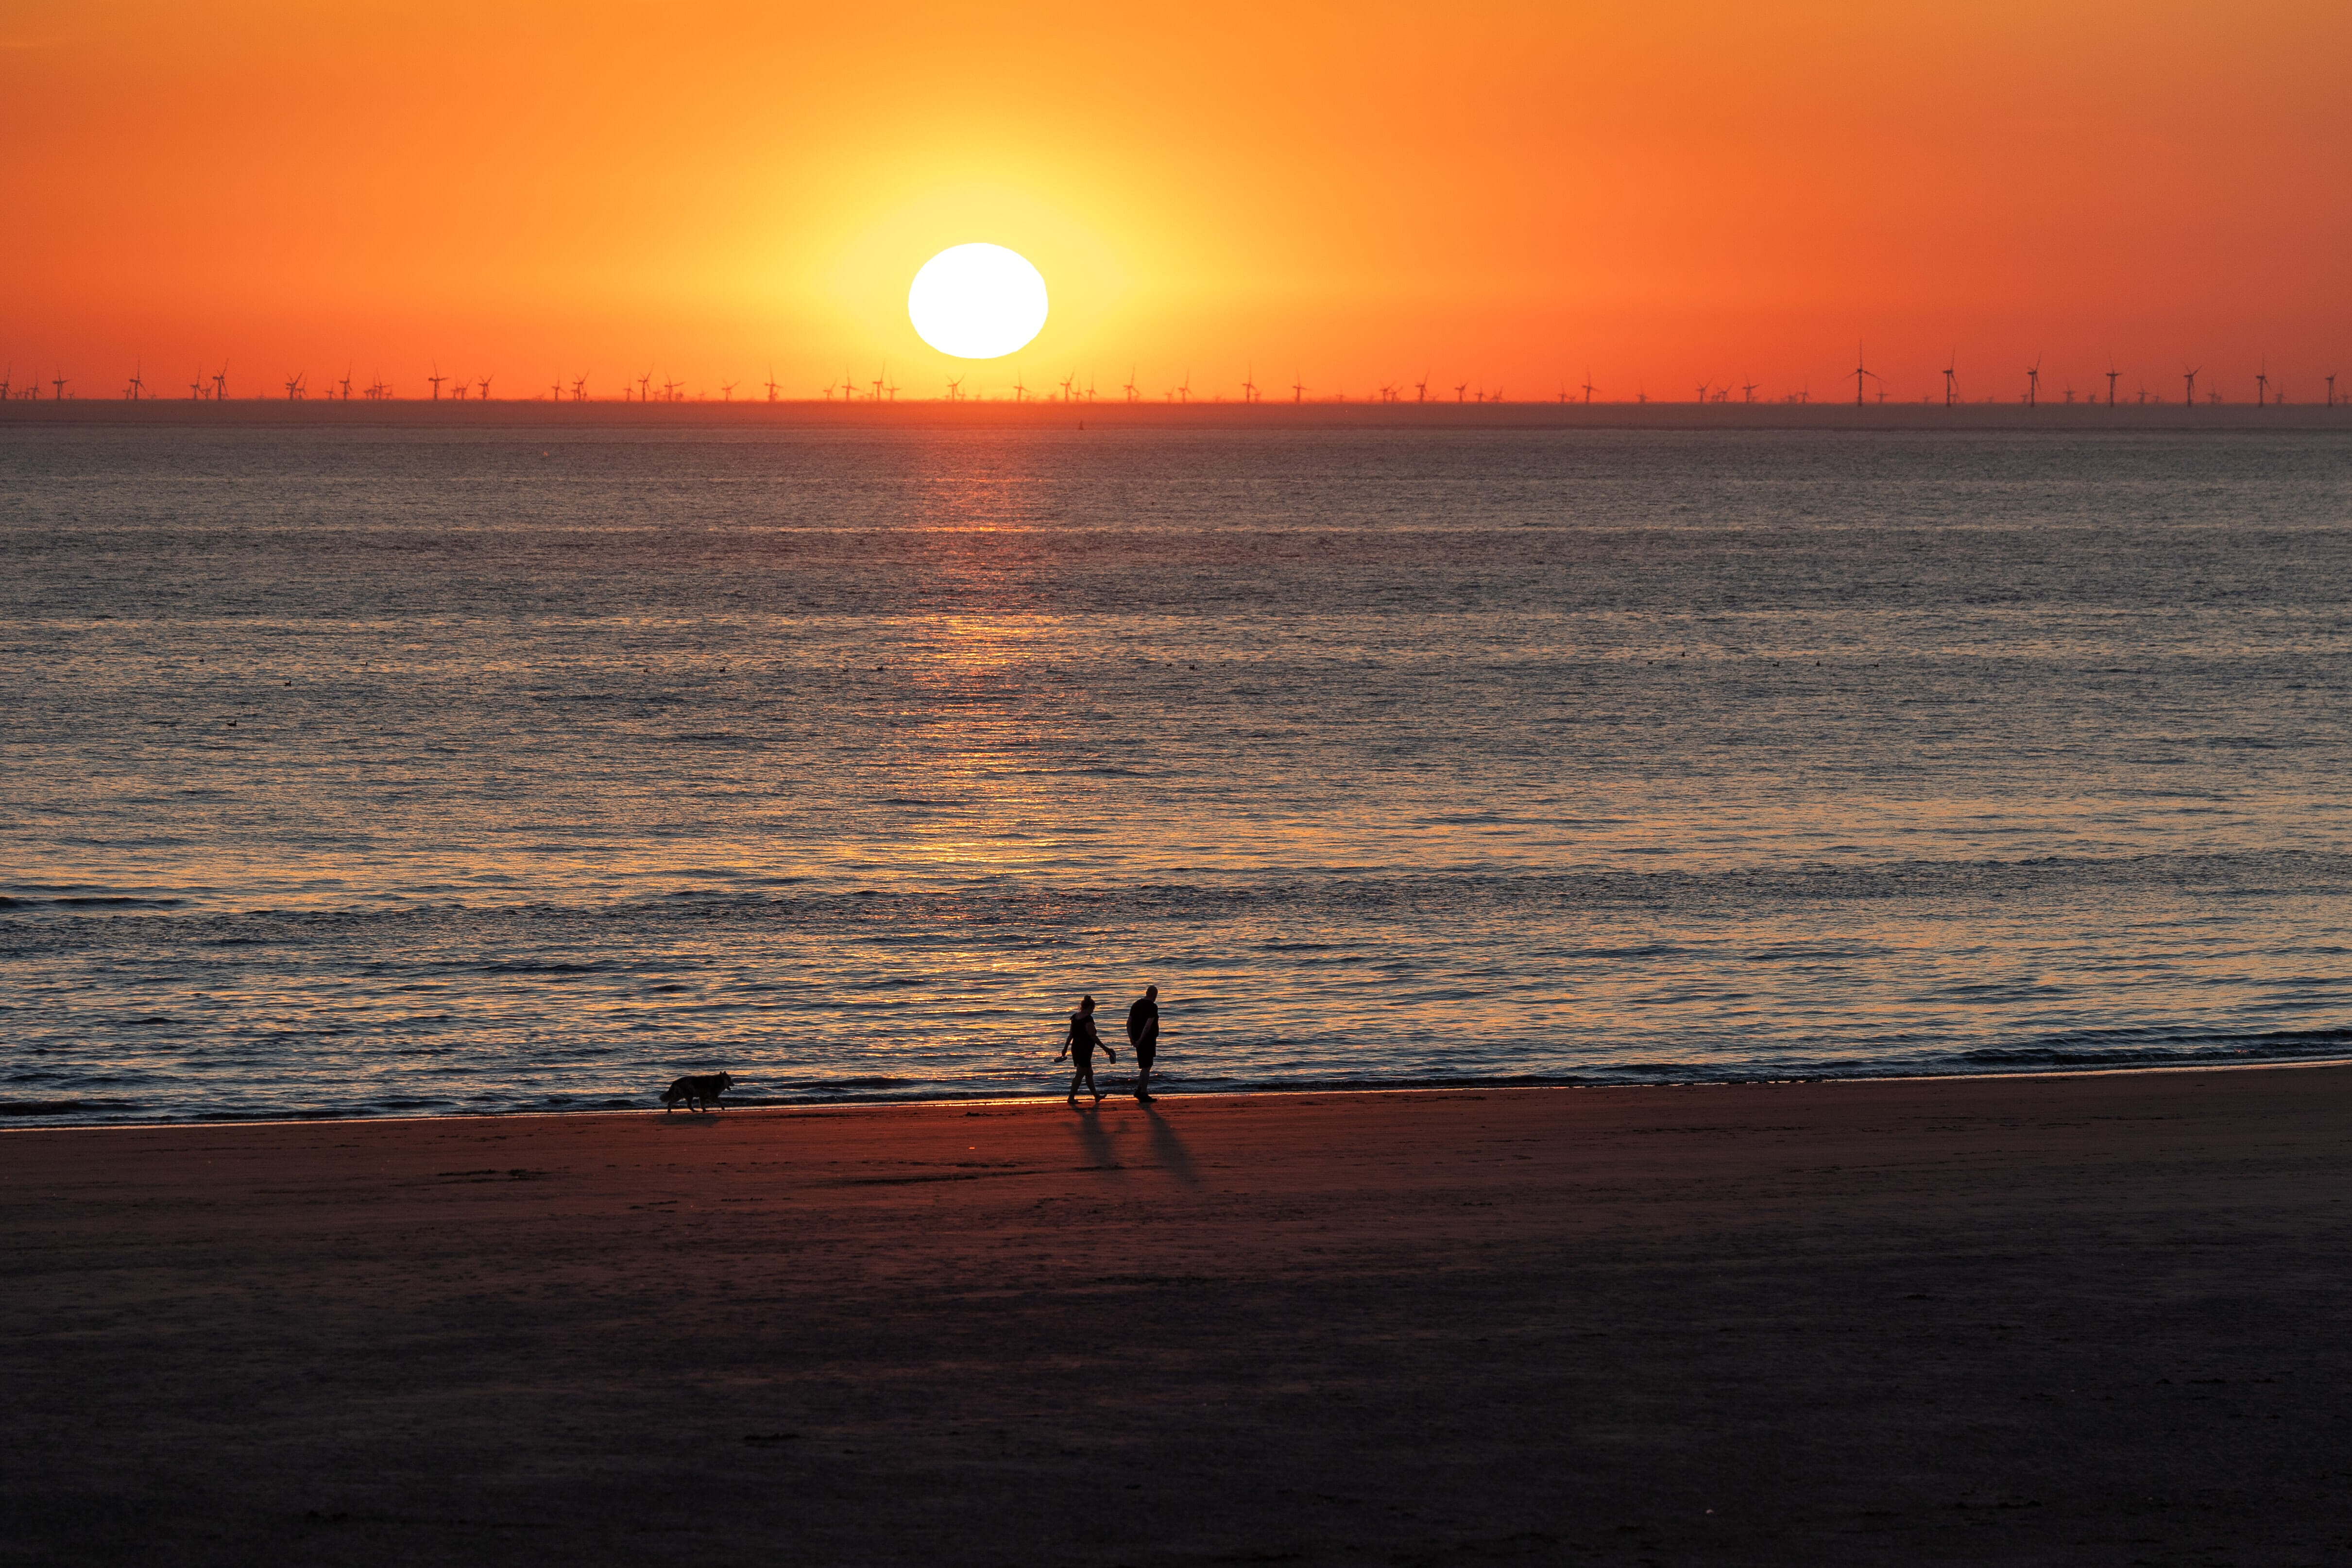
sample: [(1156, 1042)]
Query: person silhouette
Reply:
[(1080, 1048), (1143, 1035)]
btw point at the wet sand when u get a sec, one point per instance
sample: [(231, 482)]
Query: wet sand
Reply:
[(2087, 1319)]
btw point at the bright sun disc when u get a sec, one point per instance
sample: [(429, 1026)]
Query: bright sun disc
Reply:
[(976, 301)]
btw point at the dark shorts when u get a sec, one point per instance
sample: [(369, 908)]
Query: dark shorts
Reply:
[(1144, 1051)]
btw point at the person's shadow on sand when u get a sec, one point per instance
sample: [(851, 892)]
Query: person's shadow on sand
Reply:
[(1167, 1151), (1170, 1151), (1099, 1155)]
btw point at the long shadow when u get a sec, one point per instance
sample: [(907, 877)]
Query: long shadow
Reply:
[(1169, 1149), (1096, 1141)]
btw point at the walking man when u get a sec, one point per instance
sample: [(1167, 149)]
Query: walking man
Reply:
[(1080, 1048), (1143, 1033)]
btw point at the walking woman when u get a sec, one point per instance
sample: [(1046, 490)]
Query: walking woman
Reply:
[(1080, 1048)]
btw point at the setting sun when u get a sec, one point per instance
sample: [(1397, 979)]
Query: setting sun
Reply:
[(976, 301)]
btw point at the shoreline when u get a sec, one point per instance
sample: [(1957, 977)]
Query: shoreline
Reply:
[(33, 1122)]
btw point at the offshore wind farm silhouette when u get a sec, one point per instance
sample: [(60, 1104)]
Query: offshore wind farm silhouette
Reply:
[(1073, 388)]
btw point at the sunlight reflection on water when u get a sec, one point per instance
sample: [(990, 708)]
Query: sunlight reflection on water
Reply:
[(380, 771)]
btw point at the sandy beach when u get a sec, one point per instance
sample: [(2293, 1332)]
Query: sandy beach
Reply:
[(2046, 1319)]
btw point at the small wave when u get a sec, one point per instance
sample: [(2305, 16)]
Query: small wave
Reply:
[(2147, 1047)]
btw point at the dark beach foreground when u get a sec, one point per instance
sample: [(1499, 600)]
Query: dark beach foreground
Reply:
[(2049, 1319)]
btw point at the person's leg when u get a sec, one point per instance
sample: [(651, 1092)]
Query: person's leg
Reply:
[(1142, 1073)]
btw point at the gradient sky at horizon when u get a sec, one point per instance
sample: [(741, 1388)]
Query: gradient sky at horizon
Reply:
[(1503, 194)]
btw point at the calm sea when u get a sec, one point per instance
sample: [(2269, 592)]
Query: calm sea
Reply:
[(381, 771)]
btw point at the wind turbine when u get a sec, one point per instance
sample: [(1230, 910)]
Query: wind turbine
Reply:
[(1749, 388), (1460, 387), (2188, 386), (1020, 390), (2112, 374), (1861, 370), (1702, 392), (1249, 384), (2331, 389), (1299, 388), (1067, 382), (2263, 382), (772, 383), (1129, 388), (347, 383), (579, 389), (485, 385), (955, 387), (1952, 379), (60, 381), (437, 378), (293, 388), (726, 391), (132, 392), (1421, 388), (1184, 391), (879, 381), (2033, 382), (1589, 388), (220, 383)]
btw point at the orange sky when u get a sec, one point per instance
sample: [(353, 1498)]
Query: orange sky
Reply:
[(1497, 193)]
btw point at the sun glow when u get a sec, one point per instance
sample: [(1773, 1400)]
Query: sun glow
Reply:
[(976, 301)]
